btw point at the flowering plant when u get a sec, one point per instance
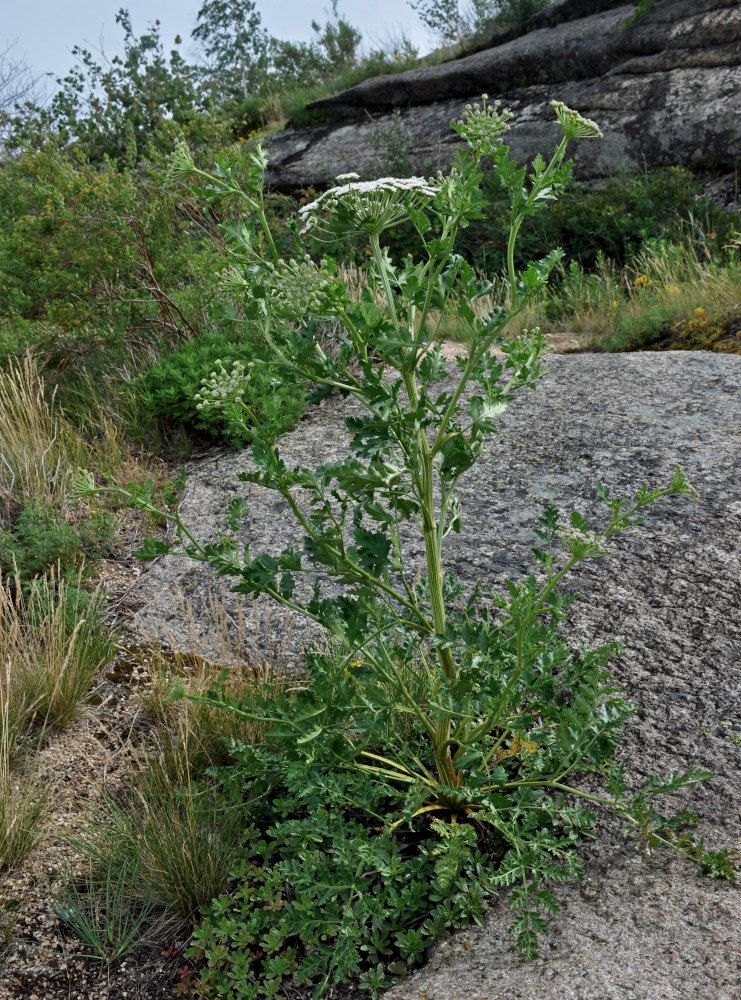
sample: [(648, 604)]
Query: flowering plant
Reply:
[(464, 713)]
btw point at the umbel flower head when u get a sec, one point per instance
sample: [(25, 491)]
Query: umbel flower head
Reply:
[(222, 386), (367, 206), (573, 125), (181, 164), (300, 286), (483, 125)]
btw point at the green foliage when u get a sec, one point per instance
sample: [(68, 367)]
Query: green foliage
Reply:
[(642, 8), (394, 146), (617, 220), (41, 539), (321, 895), (167, 390), (513, 13)]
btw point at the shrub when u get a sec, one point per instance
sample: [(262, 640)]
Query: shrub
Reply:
[(167, 390), (98, 249), (616, 220), (41, 539)]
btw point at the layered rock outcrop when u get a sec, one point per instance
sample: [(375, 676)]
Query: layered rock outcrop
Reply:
[(665, 90)]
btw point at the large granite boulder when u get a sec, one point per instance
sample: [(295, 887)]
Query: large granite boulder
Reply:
[(665, 90)]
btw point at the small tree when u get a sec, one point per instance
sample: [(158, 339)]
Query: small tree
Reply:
[(112, 107), (18, 82), (451, 22), (18, 85), (236, 44)]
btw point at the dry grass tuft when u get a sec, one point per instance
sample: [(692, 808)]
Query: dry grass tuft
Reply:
[(38, 446), (54, 644), (24, 790), (245, 656)]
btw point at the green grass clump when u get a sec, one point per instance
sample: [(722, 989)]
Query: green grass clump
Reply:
[(174, 842), (24, 789), (99, 910), (55, 643)]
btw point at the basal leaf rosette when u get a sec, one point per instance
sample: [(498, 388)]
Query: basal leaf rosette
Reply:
[(368, 207)]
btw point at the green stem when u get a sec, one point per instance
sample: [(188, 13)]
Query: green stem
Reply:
[(266, 229), (381, 265)]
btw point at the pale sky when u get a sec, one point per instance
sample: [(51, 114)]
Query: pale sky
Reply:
[(46, 30)]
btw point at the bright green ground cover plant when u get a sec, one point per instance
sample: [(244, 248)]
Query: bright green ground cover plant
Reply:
[(434, 755)]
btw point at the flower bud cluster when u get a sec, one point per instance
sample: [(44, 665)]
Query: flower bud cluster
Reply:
[(300, 286), (483, 125), (573, 125), (368, 206), (234, 280), (585, 543), (222, 386), (181, 165)]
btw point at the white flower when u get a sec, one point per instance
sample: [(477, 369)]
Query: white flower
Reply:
[(573, 125), (222, 386), (348, 177), (369, 206)]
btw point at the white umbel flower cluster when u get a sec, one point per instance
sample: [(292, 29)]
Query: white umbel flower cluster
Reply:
[(483, 125), (368, 206), (299, 286), (223, 386), (573, 125)]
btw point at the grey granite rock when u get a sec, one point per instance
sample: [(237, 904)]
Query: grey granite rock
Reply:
[(665, 91), (646, 928)]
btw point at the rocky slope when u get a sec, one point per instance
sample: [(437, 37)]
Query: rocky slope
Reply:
[(665, 90)]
